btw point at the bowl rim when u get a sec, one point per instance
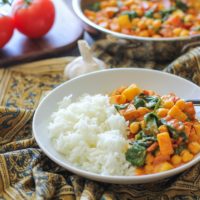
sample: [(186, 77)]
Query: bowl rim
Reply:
[(76, 4), (108, 178)]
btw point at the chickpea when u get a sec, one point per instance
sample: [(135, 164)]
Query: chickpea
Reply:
[(141, 25), (135, 21), (186, 156), (143, 110), (184, 33), (194, 147), (168, 104), (163, 128), (157, 24), (157, 15), (134, 127), (177, 31), (176, 160), (162, 112), (188, 18), (181, 104), (144, 33)]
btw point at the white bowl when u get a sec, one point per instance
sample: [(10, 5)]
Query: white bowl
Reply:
[(104, 82)]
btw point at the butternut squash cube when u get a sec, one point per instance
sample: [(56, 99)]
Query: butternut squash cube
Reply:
[(117, 99), (176, 113), (124, 21), (131, 92), (165, 143), (197, 128), (165, 166)]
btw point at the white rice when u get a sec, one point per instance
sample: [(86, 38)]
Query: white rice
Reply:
[(91, 134)]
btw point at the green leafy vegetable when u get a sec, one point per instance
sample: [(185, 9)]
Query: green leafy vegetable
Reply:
[(181, 5), (175, 134), (150, 102), (149, 14), (121, 107), (136, 155), (180, 148), (151, 121), (95, 6), (139, 102), (165, 13), (145, 139), (131, 14)]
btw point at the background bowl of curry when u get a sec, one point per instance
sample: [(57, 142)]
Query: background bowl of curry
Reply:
[(141, 48)]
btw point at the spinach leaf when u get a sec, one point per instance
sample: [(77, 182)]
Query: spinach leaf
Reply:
[(149, 13), (151, 121), (181, 5), (175, 134), (180, 148), (150, 102), (145, 140), (165, 13), (139, 102), (136, 155), (121, 106), (131, 14), (95, 6), (140, 135), (183, 135)]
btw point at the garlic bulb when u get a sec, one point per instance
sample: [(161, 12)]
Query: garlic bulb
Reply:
[(84, 64)]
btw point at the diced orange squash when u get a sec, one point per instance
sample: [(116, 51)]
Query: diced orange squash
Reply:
[(117, 99), (197, 128), (193, 137), (165, 143), (131, 92), (124, 21), (163, 167), (188, 127), (189, 109), (176, 113)]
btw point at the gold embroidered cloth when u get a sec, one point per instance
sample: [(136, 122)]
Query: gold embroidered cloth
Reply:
[(26, 173)]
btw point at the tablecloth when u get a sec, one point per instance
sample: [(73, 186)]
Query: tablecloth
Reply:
[(25, 171)]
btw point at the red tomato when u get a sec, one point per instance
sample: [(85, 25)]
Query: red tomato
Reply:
[(33, 18), (6, 29)]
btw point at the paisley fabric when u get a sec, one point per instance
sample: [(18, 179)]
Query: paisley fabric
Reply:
[(26, 173)]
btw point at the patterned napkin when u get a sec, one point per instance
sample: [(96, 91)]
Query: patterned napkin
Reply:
[(26, 173)]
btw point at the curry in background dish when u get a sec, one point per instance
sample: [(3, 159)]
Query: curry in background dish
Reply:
[(163, 130), (147, 18)]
